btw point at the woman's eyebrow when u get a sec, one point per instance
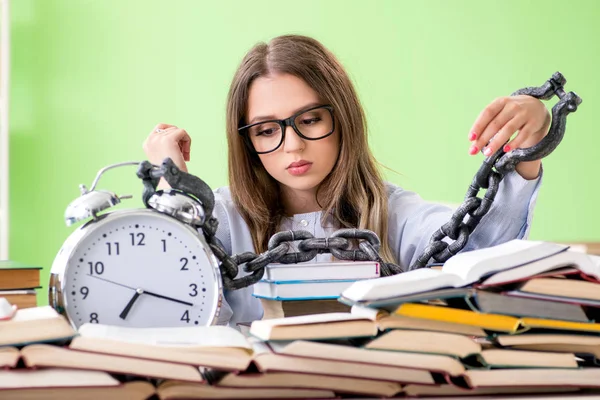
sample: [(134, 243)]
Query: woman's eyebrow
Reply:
[(271, 117)]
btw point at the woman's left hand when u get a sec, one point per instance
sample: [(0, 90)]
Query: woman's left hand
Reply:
[(499, 121)]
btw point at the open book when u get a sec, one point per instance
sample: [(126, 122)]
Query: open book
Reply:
[(49, 356), (578, 344), (173, 390), (518, 303), (316, 326), (492, 322), (464, 269), (469, 351), (35, 325), (60, 383), (220, 347), (306, 380), (343, 360)]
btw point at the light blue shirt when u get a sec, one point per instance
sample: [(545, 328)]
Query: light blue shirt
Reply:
[(411, 222)]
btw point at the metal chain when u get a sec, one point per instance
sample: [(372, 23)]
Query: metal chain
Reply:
[(340, 244), (493, 170)]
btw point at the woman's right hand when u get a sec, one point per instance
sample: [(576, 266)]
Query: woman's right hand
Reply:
[(168, 141)]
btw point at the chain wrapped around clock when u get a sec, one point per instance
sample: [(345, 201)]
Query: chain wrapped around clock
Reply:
[(339, 243)]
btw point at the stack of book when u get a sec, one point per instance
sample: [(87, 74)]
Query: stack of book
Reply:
[(519, 318), (42, 356), (514, 319), (309, 288), (18, 283)]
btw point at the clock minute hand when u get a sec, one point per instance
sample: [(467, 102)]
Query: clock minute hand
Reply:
[(135, 296), (168, 298)]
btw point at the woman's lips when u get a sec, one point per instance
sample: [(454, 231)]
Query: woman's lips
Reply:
[(299, 168)]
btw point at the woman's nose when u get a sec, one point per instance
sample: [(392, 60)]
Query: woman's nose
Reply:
[(292, 142)]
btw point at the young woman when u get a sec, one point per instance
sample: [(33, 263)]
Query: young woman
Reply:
[(299, 159)]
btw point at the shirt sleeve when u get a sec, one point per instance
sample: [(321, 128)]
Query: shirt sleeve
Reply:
[(238, 305), (412, 220)]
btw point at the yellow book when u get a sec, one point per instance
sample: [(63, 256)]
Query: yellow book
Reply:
[(492, 322)]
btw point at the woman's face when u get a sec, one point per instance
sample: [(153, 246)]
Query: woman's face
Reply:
[(298, 164)]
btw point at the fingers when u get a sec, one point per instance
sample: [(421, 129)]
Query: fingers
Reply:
[(524, 133), (504, 135), (185, 144), (496, 125), (161, 127), (505, 117), (499, 121), (486, 116), (168, 141)]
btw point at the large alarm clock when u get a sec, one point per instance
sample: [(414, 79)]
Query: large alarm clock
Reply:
[(140, 267)]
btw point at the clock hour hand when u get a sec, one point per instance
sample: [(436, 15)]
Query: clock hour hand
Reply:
[(129, 305)]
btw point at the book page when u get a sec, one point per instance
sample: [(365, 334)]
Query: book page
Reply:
[(370, 313), (205, 336), (471, 266), (309, 319), (411, 282), (54, 377), (35, 313)]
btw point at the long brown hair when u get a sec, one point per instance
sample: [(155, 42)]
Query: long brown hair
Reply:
[(354, 192)]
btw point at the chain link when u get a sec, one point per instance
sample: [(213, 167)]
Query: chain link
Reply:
[(453, 236), (338, 244)]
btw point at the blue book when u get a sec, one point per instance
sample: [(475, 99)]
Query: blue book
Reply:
[(301, 290)]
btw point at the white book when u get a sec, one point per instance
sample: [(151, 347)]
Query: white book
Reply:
[(585, 263), (471, 266), (182, 337), (461, 270), (305, 290), (313, 326), (337, 270)]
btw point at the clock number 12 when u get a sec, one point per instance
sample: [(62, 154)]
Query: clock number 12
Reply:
[(140, 236)]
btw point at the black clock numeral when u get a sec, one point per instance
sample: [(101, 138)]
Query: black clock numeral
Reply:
[(186, 316), (94, 318), (185, 263), (164, 242), (194, 288), (140, 237), (84, 291), (110, 248), (98, 268)]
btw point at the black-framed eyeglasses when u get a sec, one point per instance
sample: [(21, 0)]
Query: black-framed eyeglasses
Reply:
[(312, 124)]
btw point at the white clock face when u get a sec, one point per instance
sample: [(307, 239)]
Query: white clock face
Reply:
[(141, 269)]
